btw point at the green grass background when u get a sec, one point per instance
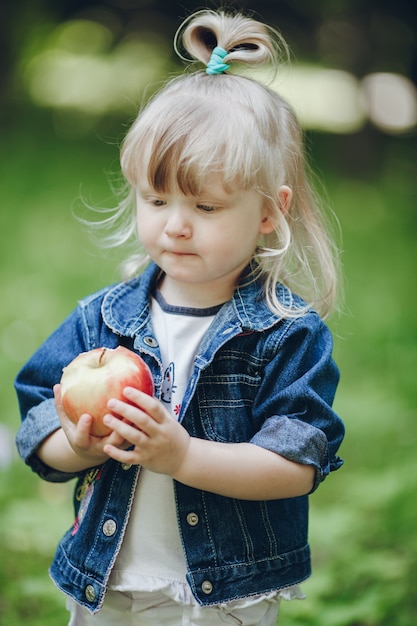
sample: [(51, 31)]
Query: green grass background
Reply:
[(363, 518)]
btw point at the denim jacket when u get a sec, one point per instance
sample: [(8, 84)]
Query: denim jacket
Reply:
[(256, 378)]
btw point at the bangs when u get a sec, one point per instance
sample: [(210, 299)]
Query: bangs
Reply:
[(187, 139), (178, 164)]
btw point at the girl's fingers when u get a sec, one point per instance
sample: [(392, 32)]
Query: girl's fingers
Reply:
[(143, 411), (84, 423), (58, 403), (123, 456), (148, 404), (57, 393), (127, 431), (131, 414)]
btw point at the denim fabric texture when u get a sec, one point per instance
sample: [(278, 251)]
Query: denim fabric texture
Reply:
[(256, 378)]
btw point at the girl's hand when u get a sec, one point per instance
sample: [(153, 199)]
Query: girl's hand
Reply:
[(159, 442), (85, 445)]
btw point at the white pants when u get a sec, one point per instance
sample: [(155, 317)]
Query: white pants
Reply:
[(156, 609)]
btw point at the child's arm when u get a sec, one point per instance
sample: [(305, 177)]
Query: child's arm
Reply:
[(56, 452), (238, 470), (244, 471)]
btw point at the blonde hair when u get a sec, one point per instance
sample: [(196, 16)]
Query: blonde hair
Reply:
[(199, 124)]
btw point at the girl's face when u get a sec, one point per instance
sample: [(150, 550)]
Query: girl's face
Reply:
[(201, 243)]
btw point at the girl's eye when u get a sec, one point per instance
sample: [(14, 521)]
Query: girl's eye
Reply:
[(157, 202), (207, 208)]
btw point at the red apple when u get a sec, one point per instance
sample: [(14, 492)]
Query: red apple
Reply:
[(93, 377)]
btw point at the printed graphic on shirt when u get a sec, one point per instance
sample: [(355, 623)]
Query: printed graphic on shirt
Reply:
[(84, 494), (168, 386)]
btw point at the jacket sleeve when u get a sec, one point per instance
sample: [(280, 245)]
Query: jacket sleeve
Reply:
[(296, 396), (34, 387)]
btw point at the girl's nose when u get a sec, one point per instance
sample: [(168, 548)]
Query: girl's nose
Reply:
[(178, 224)]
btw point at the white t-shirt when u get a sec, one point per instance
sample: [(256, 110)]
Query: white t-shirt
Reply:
[(151, 556)]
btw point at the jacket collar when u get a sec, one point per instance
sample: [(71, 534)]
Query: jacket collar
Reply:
[(125, 307)]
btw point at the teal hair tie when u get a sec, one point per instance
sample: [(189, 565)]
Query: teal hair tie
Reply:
[(216, 65)]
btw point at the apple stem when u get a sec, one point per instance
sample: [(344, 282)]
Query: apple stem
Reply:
[(104, 350)]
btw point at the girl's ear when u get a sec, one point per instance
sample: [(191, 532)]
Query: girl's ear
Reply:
[(268, 223), (284, 198)]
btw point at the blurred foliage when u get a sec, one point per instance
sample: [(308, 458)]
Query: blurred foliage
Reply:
[(363, 518), (359, 37)]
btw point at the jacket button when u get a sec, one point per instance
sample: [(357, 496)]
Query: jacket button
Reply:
[(125, 466), (207, 587), (151, 342), (90, 593), (192, 519), (109, 527)]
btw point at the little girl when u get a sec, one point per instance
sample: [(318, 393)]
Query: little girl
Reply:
[(194, 510)]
